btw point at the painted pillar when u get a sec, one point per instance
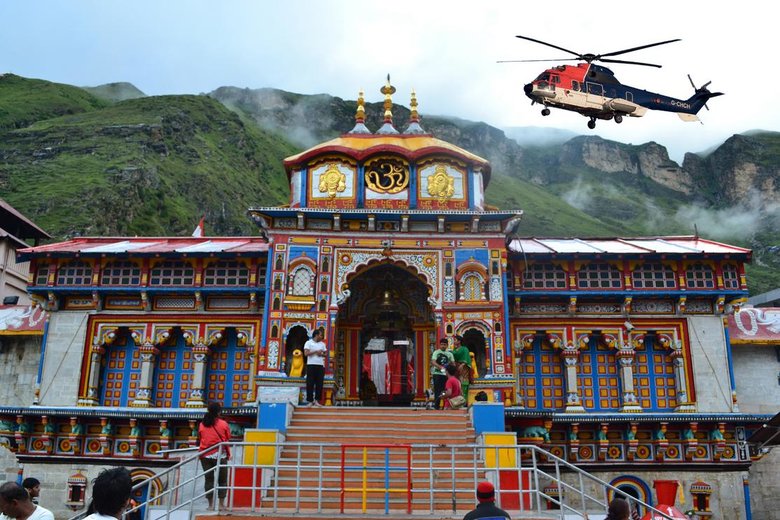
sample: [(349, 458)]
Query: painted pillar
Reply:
[(681, 380), (95, 357), (143, 397), (625, 358), (200, 353), (570, 356)]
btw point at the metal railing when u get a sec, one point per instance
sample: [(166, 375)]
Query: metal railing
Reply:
[(286, 477)]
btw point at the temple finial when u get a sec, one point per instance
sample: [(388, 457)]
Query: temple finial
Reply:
[(388, 90), (414, 118), (360, 117)]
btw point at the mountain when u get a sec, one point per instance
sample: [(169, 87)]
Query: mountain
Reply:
[(148, 166), (78, 164), (113, 92), (538, 135), (24, 101)]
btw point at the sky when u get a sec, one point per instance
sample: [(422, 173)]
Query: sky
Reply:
[(447, 51)]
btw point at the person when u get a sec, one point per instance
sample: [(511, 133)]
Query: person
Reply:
[(618, 510), (486, 506), (315, 351), (439, 360), (462, 356), (33, 487), (111, 492), (452, 387), (15, 504), (212, 430)]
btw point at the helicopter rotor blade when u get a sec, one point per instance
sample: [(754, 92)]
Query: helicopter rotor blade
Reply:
[(692, 83), (549, 45), (532, 61), (632, 49), (626, 62), (706, 84)]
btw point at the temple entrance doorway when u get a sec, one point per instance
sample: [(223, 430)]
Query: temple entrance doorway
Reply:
[(383, 332), (474, 339)]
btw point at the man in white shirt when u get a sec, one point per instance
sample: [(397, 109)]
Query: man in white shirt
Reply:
[(315, 352), (15, 504)]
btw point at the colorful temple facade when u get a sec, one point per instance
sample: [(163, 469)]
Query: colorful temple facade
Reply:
[(611, 353)]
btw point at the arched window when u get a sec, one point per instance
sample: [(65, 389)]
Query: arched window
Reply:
[(699, 276), (654, 377), (76, 272), (121, 272), (226, 272), (301, 282), (599, 276), (541, 377), (544, 276), (653, 276), (172, 272), (121, 373), (730, 276), (173, 374), (472, 287), (229, 373), (598, 378)]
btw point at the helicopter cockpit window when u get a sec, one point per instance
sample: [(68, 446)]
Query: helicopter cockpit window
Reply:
[(556, 79), (575, 85), (543, 77)]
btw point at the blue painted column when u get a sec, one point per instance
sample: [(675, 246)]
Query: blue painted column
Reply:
[(746, 488), (732, 382), (39, 375)]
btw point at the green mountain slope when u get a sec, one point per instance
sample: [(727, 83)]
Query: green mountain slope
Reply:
[(24, 101), (113, 92), (149, 166)]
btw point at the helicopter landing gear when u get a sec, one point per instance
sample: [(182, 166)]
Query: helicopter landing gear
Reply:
[(618, 118), (545, 111), (592, 123)]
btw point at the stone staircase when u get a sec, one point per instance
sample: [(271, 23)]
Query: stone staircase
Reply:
[(443, 476)]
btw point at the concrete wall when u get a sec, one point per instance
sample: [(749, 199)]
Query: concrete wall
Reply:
[(64, 352), (756, 369), (19, 358), (710, 364), (765, 486)]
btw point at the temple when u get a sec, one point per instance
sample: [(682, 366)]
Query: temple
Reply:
[(611, 353)]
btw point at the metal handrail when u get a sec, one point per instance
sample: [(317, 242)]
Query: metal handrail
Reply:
[(180, 481), (364, 468)]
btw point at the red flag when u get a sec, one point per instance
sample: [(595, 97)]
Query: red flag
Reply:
[(199, 230)]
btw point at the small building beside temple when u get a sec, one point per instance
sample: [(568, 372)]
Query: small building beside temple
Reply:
[(611, 353)]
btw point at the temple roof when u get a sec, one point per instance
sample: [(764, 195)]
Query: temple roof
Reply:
[(413, 143), (360, 146), (148, 246), (669, 245)]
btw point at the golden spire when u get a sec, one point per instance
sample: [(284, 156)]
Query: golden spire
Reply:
[(387, 127), (388, 90), (414, 117), (360, 116)]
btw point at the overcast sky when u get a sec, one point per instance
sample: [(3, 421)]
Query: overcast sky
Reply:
[(445, 50)]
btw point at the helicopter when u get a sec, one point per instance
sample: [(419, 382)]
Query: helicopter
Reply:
[(594, 91)]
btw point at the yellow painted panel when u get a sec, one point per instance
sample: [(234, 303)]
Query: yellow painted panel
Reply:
[(500, 458), (304, 240), (265, 454)]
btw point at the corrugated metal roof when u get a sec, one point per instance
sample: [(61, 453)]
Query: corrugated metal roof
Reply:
[(640, 245), (147, 245)]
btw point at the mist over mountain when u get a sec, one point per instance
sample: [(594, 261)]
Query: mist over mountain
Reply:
[(108, 160)]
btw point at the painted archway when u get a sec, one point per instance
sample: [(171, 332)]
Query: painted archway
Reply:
[(383, 333)]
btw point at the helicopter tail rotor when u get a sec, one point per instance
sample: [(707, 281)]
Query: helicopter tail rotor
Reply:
[(703, 90)]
